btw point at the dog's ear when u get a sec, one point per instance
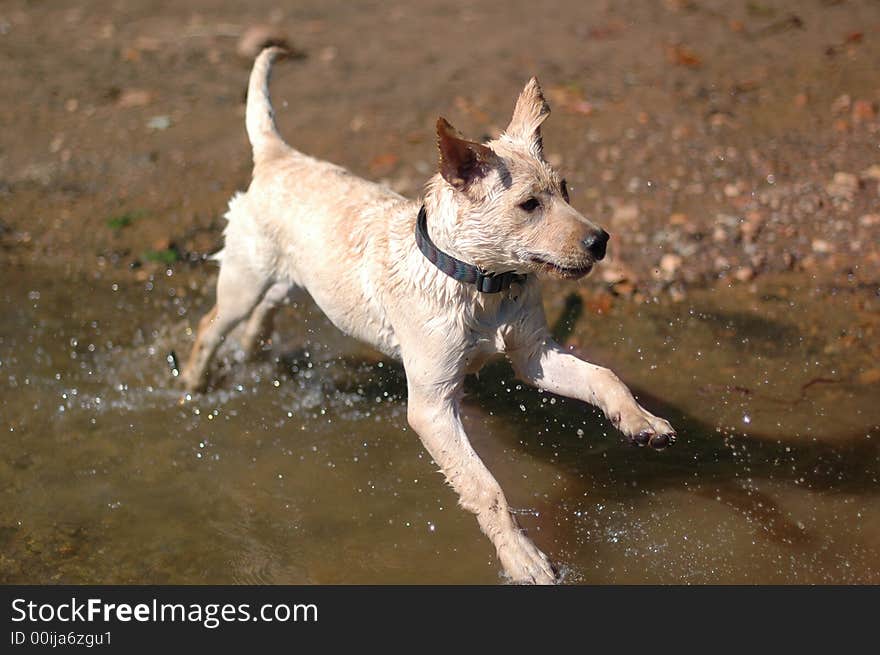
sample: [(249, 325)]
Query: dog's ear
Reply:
[(531, 110), (461, 161)]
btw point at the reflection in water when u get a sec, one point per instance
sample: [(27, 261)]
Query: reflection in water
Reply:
[(300, 468)]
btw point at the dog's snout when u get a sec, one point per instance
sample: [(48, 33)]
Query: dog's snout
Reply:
[(595, 243)]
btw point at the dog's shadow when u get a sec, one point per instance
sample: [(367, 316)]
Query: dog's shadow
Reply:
[(703, 461)]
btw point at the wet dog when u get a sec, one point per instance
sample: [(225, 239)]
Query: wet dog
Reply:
[(441, 286)]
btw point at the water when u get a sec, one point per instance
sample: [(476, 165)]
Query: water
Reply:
[(300, 468)]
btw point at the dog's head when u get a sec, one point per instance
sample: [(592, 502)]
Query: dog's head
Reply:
[(511, 208)]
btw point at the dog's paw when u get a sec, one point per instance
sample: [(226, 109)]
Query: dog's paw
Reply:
[(645, 429), (523, 563)]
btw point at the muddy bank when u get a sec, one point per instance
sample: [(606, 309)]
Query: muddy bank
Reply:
[(714, 140)]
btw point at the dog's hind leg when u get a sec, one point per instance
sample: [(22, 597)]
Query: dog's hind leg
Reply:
[(239, 291), (433, 412), (258, 330)]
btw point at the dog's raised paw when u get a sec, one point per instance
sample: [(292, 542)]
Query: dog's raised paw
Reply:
[(654, 440)]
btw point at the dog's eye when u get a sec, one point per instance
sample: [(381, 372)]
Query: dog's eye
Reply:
[(564, 188), (530, 205)]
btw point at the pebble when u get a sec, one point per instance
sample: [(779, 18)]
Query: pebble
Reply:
[(159, 123), (613, 273), (623, 288), (134, 98), (677, 293), (751, 226), (669, 264), (843, 185), (731, 190), (863, 111), (822, 247), (744, 273), (871, 376), (841, 104)]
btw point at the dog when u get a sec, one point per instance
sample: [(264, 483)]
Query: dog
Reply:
[(441, 285)]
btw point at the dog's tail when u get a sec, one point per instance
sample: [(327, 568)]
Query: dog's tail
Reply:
[(259, 116)]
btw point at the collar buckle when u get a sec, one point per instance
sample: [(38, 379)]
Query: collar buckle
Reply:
[(491, 282)]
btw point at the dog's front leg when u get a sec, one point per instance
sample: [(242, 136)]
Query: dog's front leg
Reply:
[(549, 367), (433, 412)]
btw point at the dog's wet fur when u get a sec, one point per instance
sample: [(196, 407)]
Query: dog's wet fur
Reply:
[(305, 223)]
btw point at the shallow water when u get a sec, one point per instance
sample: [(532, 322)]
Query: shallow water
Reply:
[(300, 468)]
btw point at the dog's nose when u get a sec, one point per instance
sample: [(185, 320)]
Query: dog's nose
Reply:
[(595, 244)]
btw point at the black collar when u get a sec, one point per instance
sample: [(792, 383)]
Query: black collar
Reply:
[(458, 270)]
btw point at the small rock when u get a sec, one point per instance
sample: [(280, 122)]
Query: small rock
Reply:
[(822, 247), (669, 264), (863, 111), (328, 54), (159, 123), (623, 288), (744, 273), (681, 55), (869, 220), (134, 98), (808, 263), (841, 104), (871, 173), (257, 37), (843, 185), (357, 123), (676, 293), (871, 376), (751, 226), (614, 273)]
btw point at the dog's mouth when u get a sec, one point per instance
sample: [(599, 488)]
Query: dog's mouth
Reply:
[(564, 272)]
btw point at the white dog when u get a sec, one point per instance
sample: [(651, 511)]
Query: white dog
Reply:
[(440, 286)]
